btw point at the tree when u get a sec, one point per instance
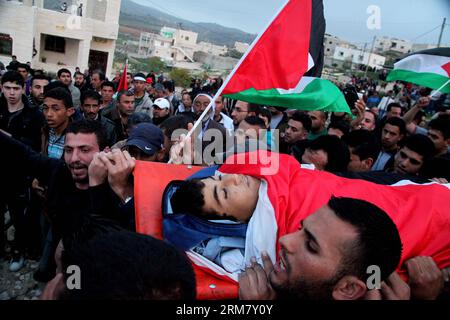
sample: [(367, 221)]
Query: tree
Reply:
[(181, 77), (233, 53), (155, 64)]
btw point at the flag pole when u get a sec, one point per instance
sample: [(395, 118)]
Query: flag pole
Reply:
[(440, 88), (236, 67)]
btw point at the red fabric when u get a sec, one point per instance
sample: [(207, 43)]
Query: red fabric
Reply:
[(446, 67), (211, 286), (280, 57), (150, 180), (421, 212), (123, 85)]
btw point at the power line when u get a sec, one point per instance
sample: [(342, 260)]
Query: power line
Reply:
[(426, 32)]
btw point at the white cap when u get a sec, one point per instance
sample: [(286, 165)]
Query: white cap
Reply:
[(162, 103)]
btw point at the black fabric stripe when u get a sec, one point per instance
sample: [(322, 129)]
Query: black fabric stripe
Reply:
[(316, 48), (444, 52)]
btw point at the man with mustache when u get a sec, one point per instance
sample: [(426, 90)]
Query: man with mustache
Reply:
[(90, 106), (66, 181), (38, 83)]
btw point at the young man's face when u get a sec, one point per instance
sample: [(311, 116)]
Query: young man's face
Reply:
[(440, 143), (294, 132), (390, 136), (318, 158), (126, 105), (407, 161), (219, 105), (240, 112), (56, 113), (107, 93), (79, 79), (310, 259), (160, 94), (90, 108), (79, 150), (186, 100), (317, 120), (139, 86), (369, 121), (160, 112), (394, 112), (12, 92), (358, 165), (65, 78), (23, 72), (231, 195), (129, 79), (37, 89), (96, 82)]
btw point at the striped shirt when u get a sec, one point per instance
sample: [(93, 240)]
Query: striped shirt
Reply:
[(55, 147)]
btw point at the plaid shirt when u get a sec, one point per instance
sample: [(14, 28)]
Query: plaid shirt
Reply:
[(55, 145)]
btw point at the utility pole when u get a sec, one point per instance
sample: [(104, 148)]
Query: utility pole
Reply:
[(370, 55), (442, 32)]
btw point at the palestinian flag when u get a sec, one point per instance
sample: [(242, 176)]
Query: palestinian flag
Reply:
[(123, 79), (428, 68), (283, 63)]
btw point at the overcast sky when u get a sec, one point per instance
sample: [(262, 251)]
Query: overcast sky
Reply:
[(405, 19)]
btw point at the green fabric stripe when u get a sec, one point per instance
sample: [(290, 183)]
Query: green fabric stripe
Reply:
[(318, 95), (426, 79)]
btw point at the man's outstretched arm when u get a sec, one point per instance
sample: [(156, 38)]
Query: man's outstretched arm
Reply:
[(19, 160)]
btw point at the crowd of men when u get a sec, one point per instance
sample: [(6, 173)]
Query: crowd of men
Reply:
[(70, 143)]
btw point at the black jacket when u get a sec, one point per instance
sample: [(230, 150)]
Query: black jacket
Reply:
[(24, 125), (110, 129)]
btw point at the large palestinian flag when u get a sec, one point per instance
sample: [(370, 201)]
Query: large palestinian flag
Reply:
[(282, 66), (428, 68)]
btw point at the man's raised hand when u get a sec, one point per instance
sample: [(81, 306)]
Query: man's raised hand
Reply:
[(254, 283)]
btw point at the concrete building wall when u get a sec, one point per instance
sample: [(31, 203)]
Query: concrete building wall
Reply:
[(215, 62), (211, 48), (392, 44), (17, 20), (98, 27), (356, 56), (330, 43)]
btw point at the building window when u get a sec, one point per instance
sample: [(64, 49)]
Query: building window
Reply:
[(341, 54), (56, 44), (172, 55), (187, 38), (330, 42), (5, 44), (328, 50)]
